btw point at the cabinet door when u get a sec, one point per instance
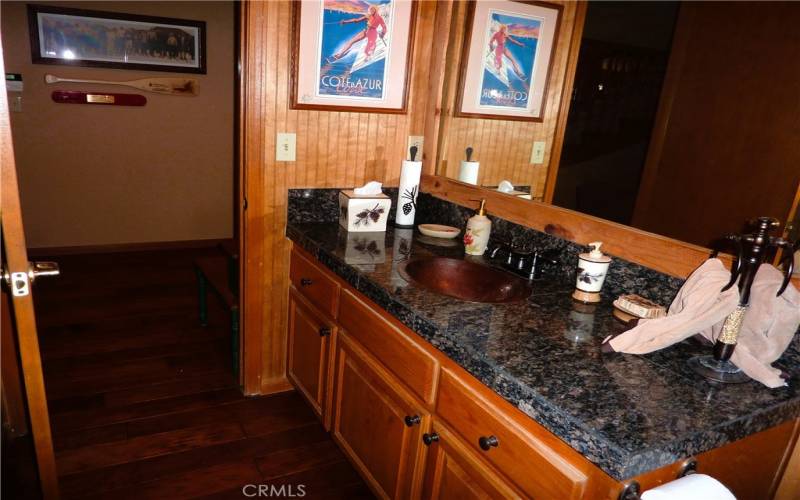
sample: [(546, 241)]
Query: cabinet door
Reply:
[(310, 339), (455, 472), (377, 423)]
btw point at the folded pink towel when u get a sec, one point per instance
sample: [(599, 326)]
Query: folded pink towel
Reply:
[(768, 327)]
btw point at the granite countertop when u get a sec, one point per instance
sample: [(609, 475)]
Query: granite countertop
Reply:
[(627, 414)]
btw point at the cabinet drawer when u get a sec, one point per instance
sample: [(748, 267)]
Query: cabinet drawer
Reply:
[(528, 460), (396, 350), (314, 283)]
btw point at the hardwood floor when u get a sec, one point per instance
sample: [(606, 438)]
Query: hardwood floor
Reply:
[(142, 400)]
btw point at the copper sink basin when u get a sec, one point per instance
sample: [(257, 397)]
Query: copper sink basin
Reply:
[(465, 280)]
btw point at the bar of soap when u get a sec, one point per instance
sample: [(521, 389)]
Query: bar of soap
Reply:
[(639, 307)]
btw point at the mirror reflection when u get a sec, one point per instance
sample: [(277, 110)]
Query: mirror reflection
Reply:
[(682, 118)]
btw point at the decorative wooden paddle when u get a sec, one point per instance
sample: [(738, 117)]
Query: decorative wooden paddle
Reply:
[(169, 86)]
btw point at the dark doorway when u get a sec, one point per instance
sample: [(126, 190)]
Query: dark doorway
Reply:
[(623, 59)]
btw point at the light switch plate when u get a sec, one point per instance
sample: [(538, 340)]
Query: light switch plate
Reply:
[(537, 153), (286, 147), (415, 140)]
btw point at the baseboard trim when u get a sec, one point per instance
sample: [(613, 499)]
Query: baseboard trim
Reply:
[(124, 247)]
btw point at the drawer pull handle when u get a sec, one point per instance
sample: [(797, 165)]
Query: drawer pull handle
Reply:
[(324, 331), (305, 282), (430, 438), (487, 443), (411, 420)]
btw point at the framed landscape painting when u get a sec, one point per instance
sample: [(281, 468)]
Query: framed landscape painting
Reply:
[(114, 40), (352, 55), (506, 59)]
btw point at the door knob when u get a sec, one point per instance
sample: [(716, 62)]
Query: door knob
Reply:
[(44, 268), (20, 282)]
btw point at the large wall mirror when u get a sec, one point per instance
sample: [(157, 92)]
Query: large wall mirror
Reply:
[(683, 117)]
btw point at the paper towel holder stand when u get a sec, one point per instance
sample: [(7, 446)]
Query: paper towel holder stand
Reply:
[(632, 490)]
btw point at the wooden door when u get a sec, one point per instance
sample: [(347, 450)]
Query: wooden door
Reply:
[(455, 472), (310, 338), (377, 423), (15, 260), (724, 147)]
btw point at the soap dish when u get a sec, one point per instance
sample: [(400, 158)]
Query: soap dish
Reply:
[(627, 307), (439, 231)]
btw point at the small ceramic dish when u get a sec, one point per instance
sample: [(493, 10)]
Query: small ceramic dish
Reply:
[(439, 231), (436, 242)]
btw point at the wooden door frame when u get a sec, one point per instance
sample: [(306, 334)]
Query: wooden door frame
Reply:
[(263, 352), (249, 296), (28, 342)]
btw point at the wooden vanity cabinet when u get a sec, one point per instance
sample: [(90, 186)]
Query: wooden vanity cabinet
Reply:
[(376, 386), (379, 389), (310, 340), (453, 471), (377, 422)]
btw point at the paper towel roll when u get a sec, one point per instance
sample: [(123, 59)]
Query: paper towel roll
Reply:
[(469, 172), (691, 487), (409, 189)]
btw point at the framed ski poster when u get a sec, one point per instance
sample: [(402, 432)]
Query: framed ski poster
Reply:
[(352, 55), (506, 60)]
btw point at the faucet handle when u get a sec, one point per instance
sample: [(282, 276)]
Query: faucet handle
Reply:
[(523, 259), (496, 246), (542, 259)]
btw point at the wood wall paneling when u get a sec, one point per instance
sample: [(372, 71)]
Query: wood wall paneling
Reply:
[(334, 149)]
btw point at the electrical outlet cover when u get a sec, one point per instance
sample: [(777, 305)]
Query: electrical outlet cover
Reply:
[(286, 147), (537, 153)]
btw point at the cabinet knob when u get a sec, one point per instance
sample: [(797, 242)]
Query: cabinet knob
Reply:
[(305, 282), (324, 331), (487, 443), (430, 438), (411, 420)]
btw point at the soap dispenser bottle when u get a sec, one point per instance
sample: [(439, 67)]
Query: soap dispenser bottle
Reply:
[(592, 270), (476, 237)]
